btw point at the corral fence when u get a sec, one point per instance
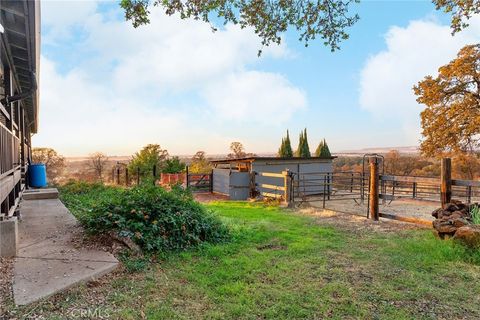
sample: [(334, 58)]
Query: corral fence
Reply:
[(369, 188), (328, 186), (196, 182)]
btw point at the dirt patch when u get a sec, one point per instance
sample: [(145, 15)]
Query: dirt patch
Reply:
[(6, 276), (402, 207), (356, 223), (272, 246), (103, 242), (206, 197)]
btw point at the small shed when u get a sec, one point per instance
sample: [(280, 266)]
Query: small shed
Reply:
[(234, 177)]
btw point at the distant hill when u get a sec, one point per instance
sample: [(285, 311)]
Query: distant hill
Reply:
[(111, 158), (411, 150)]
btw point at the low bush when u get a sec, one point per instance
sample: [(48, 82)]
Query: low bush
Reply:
[(475, 213), (154, 218)]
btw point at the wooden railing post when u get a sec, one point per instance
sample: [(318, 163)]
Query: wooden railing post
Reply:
[(187, 180), (287, 182), (446, 181), (374, 177)]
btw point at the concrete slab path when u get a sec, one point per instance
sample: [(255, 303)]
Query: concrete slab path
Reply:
[(48, 261)]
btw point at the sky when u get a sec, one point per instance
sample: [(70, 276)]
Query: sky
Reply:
[(106, 86)]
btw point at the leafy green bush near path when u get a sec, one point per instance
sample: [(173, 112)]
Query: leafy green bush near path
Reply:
[(154, 218), (475, 213)]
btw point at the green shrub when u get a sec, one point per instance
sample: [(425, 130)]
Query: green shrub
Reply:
[(475, 213), (154, 218)]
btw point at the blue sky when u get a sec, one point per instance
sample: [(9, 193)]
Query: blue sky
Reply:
[(106, 86)]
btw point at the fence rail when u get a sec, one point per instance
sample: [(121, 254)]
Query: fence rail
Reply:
[(426, 188)]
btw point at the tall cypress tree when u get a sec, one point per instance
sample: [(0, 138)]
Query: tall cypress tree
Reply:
[(298, 152), (281, 150), (303, 150), (326, 150), (318, 152), (285, 150), (288, 152), (323, 150)]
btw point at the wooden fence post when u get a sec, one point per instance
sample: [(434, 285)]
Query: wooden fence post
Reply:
[(211, 181), (253, 185), (187, 182), (374, 210), (118, 175), (351, 183), (287, 182), (154, 173), (446, 181)]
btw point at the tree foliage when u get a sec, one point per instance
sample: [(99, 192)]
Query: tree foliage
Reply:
[(451, 119), (54, 163), (323, 150), (285, 150), (238, 151), (173, 165), (303, 150), (200, 163), (151, 155), (461, 11), (327, 19)]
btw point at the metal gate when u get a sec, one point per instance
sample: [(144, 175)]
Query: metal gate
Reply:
[(329, 186), (199, 182), (338, 190)]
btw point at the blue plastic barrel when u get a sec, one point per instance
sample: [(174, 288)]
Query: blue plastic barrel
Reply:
[(37, 175)]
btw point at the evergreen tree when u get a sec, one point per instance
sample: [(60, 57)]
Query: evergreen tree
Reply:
[(288, 147), (285, 150), (318, 152), (303, 150), (281, 150), (323, 150)]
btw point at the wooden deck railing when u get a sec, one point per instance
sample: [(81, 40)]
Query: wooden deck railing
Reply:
[(10, 151), (10, 171)]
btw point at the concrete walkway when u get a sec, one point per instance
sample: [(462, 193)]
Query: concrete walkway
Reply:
[(48, 261)]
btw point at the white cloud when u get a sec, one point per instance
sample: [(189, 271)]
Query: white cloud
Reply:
[(255, 95), (130, 83), (412, 52), (60, 16), (170, 53)]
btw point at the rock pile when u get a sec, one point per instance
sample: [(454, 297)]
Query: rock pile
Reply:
[(455, 221), (450, 218)]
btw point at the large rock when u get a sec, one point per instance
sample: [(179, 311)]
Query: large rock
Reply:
[(450, 218), (468, 235), (444, 227)]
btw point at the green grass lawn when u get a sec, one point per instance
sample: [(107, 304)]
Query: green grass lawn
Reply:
[(281, 265)]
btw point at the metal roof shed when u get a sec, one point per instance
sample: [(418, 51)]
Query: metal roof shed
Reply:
[(239, 187)]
